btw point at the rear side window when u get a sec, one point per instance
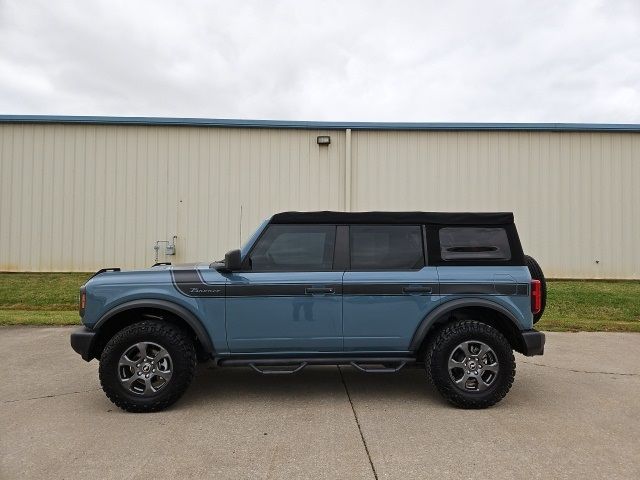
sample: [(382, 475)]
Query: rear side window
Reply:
[(474, 243), (295, 248), (386, 247)]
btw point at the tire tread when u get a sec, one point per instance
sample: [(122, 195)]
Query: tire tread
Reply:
[(177, 338), (449, 391)]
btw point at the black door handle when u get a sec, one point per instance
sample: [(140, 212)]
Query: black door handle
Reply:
[(317, 290), (416, 289)]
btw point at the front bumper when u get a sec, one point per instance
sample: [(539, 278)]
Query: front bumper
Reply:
[(82, 341), (532, 342)]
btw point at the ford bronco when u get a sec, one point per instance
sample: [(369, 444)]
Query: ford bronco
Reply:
[(450, 292)]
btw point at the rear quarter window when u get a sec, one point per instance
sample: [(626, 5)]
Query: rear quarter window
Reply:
[(474, 243)]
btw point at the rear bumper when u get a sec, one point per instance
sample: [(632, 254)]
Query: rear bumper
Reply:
[(82, 341), (532, 342)]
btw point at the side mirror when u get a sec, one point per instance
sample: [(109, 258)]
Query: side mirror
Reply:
[(232, 260)]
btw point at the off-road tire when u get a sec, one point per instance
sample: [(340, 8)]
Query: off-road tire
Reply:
[(442, 346), (183, 355), (537, 274)]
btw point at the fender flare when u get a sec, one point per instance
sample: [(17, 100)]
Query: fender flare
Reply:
[(181, 312), (428, 321)]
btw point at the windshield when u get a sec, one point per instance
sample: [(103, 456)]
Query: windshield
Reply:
[(251, 240)]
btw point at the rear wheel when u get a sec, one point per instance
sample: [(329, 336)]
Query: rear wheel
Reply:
[(537, 274), (147, 366), (471, 364)]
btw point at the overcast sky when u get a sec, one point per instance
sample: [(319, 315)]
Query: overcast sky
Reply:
[(512, 61)]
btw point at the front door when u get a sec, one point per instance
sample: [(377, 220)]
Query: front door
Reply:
[(388, 289), (288, 298)]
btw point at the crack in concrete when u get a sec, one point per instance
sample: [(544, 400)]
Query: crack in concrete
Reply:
[(580, 371), (50, 396), (355, 416)]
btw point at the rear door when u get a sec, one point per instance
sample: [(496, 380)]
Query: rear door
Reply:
[(388, 288), (288, 298)]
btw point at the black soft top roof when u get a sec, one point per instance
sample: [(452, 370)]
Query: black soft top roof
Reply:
[(435, 218)]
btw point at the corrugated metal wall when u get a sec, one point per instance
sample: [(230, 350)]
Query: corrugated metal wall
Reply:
[(80, 197), (576, 196)]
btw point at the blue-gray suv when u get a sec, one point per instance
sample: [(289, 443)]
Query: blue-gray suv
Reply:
[(451, 292)]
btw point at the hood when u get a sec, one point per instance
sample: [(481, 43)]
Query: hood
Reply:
[(159, 273)]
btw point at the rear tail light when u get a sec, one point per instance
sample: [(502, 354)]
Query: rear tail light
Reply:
[(536, 296)]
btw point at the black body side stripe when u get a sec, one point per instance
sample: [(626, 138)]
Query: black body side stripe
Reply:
[(484, 289), (191, 284), (442, 289), (522, 289), (281, 290), (389, 288)]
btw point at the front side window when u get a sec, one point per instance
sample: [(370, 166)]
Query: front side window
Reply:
[(474, 243), (386, 247), (294, 248)]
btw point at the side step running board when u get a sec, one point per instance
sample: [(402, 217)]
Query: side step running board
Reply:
[(277, 370), (284, 366), (365, 369)]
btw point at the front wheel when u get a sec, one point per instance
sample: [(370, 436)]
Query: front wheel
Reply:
[(147, 366), (471, 364)]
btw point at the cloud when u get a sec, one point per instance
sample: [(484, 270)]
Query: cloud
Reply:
[(547, 61)]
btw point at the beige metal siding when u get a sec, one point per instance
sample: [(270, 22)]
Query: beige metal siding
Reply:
[(77, 198), (81, 197), (576, 196)]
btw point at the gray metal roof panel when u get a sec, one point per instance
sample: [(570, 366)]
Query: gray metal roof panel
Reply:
[(317, 125)]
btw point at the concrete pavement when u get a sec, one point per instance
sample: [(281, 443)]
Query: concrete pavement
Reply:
[(574, 412)]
